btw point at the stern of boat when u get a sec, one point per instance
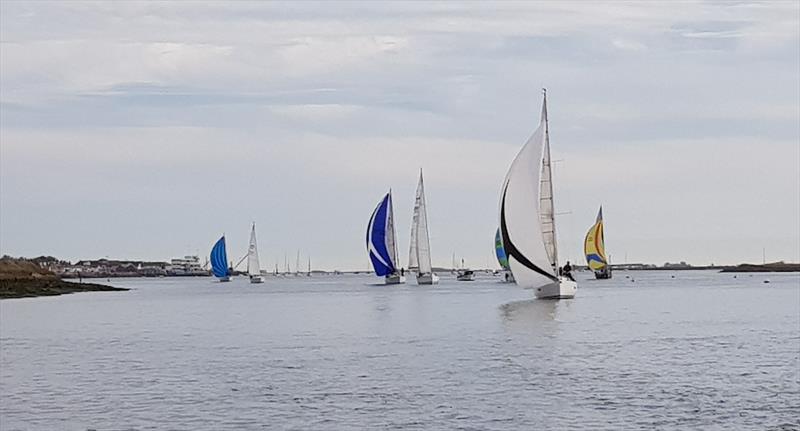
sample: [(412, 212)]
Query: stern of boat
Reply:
[(428, 279)]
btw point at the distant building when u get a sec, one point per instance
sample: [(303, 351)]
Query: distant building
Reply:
[(187, 265), (681, 265)]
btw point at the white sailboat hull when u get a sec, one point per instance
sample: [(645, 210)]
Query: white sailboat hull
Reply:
[(427, 278), (562, 289), (395, 279), (256, 279)]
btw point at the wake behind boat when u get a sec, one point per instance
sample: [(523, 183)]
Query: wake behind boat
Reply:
[(382, 242), (527, 218), (419, 258)]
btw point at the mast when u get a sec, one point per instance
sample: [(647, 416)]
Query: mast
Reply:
[(546, 204)]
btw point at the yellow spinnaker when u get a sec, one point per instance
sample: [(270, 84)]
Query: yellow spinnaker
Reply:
[(594, 245)]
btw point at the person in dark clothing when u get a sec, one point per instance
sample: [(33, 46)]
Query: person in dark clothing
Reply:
[(567, 271), (402, 271)]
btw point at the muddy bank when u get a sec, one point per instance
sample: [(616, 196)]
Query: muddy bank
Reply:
[(20, 278)]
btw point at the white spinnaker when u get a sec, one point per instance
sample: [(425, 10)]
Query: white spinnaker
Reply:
[(253, 267), (423, 239), (520, 204), (546, 207), (391, 235)]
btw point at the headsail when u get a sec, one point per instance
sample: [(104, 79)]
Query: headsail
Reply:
[(380, 238), (499, 251), (253, 267), (219, 259), (594, 245), (420, 254), (521, 223)]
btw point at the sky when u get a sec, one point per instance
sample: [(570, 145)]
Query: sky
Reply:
[(147, 130)]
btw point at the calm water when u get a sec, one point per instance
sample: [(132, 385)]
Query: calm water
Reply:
[(699, 351)]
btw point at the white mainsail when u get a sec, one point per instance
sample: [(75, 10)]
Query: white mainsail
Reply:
[(253, 267), (530, 259), (420, 253), (546, 207)]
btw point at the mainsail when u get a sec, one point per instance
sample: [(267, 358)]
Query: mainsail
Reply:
[(253, 267), (219, 259), (594, 245), (527, 230), (381, 244), (499, 251), (420, 254), (546, 208)]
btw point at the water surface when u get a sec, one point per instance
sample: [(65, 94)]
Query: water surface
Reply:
[(702, 350)]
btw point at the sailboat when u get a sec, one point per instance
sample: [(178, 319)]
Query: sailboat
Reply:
[(382, 242), (253, 267), (527, 219), (419, 258), (594, 248), (502, 259), (219, 260), (464, 273)]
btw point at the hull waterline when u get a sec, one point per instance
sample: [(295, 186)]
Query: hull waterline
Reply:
[(395, 279), (562, 289), (427, 279)]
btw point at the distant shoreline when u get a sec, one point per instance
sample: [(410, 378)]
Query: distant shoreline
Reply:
[(20, 278)]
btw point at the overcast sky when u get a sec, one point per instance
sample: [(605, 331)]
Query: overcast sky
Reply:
[(146, 130)]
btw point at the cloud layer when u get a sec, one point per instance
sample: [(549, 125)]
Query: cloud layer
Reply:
[(148, 129)]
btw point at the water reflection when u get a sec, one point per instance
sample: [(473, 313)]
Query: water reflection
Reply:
[(534, 314)]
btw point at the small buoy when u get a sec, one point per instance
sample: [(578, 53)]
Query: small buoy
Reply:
[(632, 280), (734, 276), (766, 281), (673, 276)]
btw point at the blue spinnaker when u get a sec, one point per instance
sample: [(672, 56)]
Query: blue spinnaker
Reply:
[(377, 246), (219, 259)]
